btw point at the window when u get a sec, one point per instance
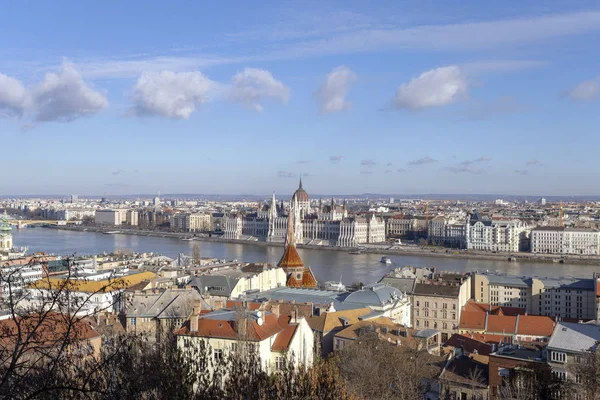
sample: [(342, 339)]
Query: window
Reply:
[(558, 356), (218, 355), (417, 303), (426, 304), (280, 363), (454, 306)]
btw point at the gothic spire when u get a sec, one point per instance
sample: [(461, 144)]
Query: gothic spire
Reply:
[(300, 187)]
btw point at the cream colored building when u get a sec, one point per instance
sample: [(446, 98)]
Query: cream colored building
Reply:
[(277, 340), (559, 240), (437, 303), (192, 222), (233, 283), (556, 297)]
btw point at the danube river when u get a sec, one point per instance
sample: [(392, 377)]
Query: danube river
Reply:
[(327, 265)]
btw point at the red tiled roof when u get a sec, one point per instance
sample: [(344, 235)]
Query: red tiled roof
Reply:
[(472, 305), (472, 320), (226, 329), (535, 325), (290, 258), (46, 330), (501, 324), (283, 339), (308, 280), (469, 345)]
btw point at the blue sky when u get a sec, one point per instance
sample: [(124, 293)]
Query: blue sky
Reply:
[(244, 97)]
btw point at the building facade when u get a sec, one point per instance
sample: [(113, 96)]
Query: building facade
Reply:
[(560, 240), (437, 303), (560, 297)]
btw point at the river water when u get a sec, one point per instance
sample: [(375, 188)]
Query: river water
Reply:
[(327, 265)]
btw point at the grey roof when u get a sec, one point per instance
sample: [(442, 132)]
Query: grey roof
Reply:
[(507, 280), (177, 303), (569, 283), (424, 289), (215, 285), (574, 337), (315, 296), (232, 315), (426, 333), (375, 295), (405, 285)]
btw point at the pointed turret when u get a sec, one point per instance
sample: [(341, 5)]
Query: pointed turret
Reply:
[(300, 186), (297, 274)]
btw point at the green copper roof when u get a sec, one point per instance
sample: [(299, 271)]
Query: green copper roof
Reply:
[(5, 226)]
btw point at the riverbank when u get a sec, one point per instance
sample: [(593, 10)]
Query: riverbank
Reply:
[(373, 249)]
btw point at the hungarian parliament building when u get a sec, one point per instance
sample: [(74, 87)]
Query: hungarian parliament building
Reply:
[(322, 224)]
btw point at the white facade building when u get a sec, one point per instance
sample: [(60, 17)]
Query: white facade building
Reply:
[(559, 240), (497, 235)]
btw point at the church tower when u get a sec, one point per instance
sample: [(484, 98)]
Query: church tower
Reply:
[(5, 235), (297, 274)]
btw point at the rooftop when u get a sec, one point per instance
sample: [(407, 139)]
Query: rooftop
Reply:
[(574, 337)]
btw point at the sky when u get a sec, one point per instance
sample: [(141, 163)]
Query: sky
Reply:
[(403, 97)]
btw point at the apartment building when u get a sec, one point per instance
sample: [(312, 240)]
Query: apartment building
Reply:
[(563, 297), (276, 340), (437, 303), (560, 240), (192, 222), (497, 235), (569, 344)]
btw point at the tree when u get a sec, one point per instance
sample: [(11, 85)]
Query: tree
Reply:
[(586, 373), (45, 354), (196, 254), (375, 369), (533, 383)]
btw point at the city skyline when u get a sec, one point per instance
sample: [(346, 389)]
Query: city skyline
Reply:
[(410, 98)]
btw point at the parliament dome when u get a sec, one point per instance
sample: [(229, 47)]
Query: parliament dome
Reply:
[(300, 194)]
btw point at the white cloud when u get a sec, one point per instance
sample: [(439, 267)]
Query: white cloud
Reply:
[(13, 96), (585, 91), (435, 88), (64, 96), (61, 96), (251, 86), (332, 94), (171, 94), (335, 159), (369, 163), (422, 161)]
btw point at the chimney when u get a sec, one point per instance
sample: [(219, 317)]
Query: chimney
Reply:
[(197, 308), (194, 323), (275, 310), (294, 319)]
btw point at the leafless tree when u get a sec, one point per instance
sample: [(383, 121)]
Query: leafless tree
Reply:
[(196, 254)]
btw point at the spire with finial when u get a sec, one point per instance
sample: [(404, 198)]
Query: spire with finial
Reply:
[(300, 186)]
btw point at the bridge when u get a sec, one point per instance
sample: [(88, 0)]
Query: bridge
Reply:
[(19, 223)]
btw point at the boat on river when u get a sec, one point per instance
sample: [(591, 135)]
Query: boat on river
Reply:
[(385, 260)]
